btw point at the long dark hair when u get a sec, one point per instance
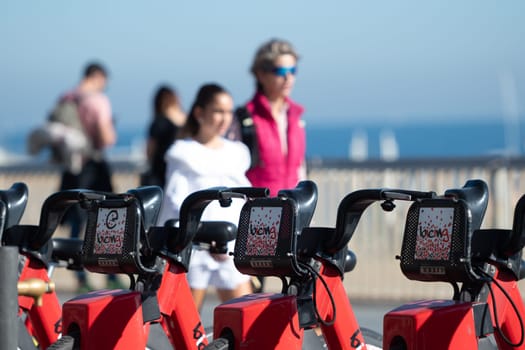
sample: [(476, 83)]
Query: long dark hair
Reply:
[(164, 97), (204, 97)]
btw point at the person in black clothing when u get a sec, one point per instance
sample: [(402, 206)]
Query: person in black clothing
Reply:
[(168, 117)]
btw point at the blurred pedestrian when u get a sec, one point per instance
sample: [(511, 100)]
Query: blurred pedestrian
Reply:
[(96, 121), (168, 117), (270, 123), (202, 158)]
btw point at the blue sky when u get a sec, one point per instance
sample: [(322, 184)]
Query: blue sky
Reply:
[(369, 60)]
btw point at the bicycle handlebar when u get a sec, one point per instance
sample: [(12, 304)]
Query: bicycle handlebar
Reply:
[(355, 203), (53, 209), (193, 206), (252, 192), (57, 204), (474, 193)]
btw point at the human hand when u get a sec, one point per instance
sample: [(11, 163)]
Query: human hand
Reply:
[(219, 257)]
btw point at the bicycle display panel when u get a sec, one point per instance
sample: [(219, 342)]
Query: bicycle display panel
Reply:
[(433, 239), (436, 241), (266, 238), (263, 231), (112, 238), (110, 231)]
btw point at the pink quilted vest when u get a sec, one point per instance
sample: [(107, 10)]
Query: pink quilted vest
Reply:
[(276, 170)]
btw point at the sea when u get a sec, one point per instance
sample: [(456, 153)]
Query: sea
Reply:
[(432, 139), (358, 141)]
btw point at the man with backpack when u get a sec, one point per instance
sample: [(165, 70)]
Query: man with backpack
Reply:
[(87, 109)]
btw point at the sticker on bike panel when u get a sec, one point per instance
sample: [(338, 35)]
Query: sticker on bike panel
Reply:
[(111, 226), (434, 233), (263, 231)]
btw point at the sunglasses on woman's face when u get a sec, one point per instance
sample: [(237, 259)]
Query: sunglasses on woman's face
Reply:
[(284, 71)]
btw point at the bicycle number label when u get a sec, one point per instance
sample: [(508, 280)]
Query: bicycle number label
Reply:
[(354, 340), (434, 232), (198, 335), (263, 231), (111, 226)]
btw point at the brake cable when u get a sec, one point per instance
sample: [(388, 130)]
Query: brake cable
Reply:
[(314, 293), (505, 339)]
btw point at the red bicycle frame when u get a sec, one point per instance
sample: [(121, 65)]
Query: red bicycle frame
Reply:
[(505, 314), (180, 318), (448, 324), (345, 332), (43, 321), (247, 319), (311, 298)]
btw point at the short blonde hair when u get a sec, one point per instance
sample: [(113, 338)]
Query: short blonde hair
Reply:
[(268, 53)]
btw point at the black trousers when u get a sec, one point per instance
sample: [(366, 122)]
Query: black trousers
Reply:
[(95, 175)]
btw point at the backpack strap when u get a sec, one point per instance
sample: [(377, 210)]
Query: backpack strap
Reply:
[(248, 134)]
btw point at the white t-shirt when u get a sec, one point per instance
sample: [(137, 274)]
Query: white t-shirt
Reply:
[(191, 166)]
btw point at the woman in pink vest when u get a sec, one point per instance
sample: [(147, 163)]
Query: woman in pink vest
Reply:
[(279, 129), (271, 125)]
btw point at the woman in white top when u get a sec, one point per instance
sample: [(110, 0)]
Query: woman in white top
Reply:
[(202, 158)]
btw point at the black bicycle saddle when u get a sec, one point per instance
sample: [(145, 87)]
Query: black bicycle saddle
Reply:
[(476, 194), (15, 201), (305, 195)]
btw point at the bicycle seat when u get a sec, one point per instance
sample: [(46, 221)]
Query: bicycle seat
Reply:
[(219, 232), (68, 250), (15, 201), (503, 247), (476, 194), (305, 195), (150, 198), (517, 240)]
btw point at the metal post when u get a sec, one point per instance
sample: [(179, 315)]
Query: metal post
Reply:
[(8, 297)]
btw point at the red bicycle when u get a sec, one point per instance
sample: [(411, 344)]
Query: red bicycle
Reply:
[(38, 306), (442, 242), (120, 238), (274, 239)]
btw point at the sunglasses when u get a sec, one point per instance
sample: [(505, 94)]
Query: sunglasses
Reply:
[(283, 71)]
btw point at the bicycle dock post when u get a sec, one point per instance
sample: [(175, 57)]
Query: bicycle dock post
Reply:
[(8, 297)]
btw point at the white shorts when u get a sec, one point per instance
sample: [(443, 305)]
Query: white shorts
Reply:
[(205, 271)]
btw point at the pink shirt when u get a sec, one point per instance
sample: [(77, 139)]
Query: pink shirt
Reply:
[(95, 110)]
